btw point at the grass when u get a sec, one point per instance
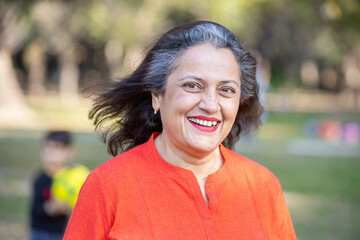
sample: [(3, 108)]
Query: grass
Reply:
[(321, 192)]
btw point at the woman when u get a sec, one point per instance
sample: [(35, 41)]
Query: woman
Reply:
[(191, 97)]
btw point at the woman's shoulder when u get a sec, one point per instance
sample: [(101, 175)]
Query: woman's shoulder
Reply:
[(252, 169), (127, 163)]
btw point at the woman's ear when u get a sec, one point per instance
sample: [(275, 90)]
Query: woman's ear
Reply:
[(156, 100)]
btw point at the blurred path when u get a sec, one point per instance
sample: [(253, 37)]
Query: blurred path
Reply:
[(303, 147)]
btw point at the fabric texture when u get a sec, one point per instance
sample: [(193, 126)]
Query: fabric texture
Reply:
[(41, 222), (138, 195)]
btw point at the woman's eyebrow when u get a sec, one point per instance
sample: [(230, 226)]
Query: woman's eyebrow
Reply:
[(230, 81), (202, 80), (192, 77)]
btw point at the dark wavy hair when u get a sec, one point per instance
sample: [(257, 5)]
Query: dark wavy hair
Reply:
[(123, 113)]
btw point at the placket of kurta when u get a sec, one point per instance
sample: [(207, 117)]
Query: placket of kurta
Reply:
[(205, 211)]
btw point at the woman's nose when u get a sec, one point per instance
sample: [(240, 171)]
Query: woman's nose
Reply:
[(209, 103)]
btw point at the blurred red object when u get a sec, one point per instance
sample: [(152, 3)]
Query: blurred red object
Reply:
[(330, 130)]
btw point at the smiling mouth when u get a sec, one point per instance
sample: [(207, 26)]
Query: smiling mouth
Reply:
[(203, 123)]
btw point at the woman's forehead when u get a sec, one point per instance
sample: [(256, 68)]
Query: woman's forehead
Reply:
[(204, 59)]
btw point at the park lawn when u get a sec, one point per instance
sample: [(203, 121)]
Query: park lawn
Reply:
[(321, 192)]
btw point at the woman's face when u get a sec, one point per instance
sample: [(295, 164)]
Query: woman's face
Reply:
[(201, 99)]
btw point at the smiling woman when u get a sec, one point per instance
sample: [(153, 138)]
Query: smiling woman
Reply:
[(191, 97), (198, 88)]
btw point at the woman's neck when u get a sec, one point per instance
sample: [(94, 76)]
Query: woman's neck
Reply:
[(202, 165)]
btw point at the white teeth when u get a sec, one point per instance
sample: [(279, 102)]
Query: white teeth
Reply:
[(204, 122)]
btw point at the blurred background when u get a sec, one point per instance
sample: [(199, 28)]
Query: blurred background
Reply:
[(52, 54)]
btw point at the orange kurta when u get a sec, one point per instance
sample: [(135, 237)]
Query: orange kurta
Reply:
[(138, 195)]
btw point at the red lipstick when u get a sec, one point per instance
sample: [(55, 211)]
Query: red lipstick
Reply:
[(205, 118), (195, 121)]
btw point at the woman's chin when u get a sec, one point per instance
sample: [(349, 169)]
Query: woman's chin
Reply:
[(204, 145)]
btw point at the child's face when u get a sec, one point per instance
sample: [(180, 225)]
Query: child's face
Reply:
[(55, 155)]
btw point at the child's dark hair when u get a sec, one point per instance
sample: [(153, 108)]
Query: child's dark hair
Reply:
[(63, 137)]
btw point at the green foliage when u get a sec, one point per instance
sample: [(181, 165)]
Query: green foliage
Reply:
[(92, 22), (286, 32)]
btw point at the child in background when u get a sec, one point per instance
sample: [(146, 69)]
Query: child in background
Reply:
[(48, 215)]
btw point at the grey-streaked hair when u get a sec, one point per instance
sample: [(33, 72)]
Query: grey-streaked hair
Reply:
[(174, 43), (130, 98)]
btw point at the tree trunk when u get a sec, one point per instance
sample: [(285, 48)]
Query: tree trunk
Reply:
[(35, 60), (69, 85), (12, 102)]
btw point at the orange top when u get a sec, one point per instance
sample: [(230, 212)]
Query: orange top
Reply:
[(138, 195)]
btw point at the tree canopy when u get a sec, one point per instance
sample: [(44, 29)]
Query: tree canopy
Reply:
[(301, 43)]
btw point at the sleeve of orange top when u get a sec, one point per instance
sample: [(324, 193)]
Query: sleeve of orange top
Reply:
[(91, 216), (284, 220)]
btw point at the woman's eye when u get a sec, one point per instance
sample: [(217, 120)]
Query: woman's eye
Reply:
[(228, 90), (193, 87), (190, 85)]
